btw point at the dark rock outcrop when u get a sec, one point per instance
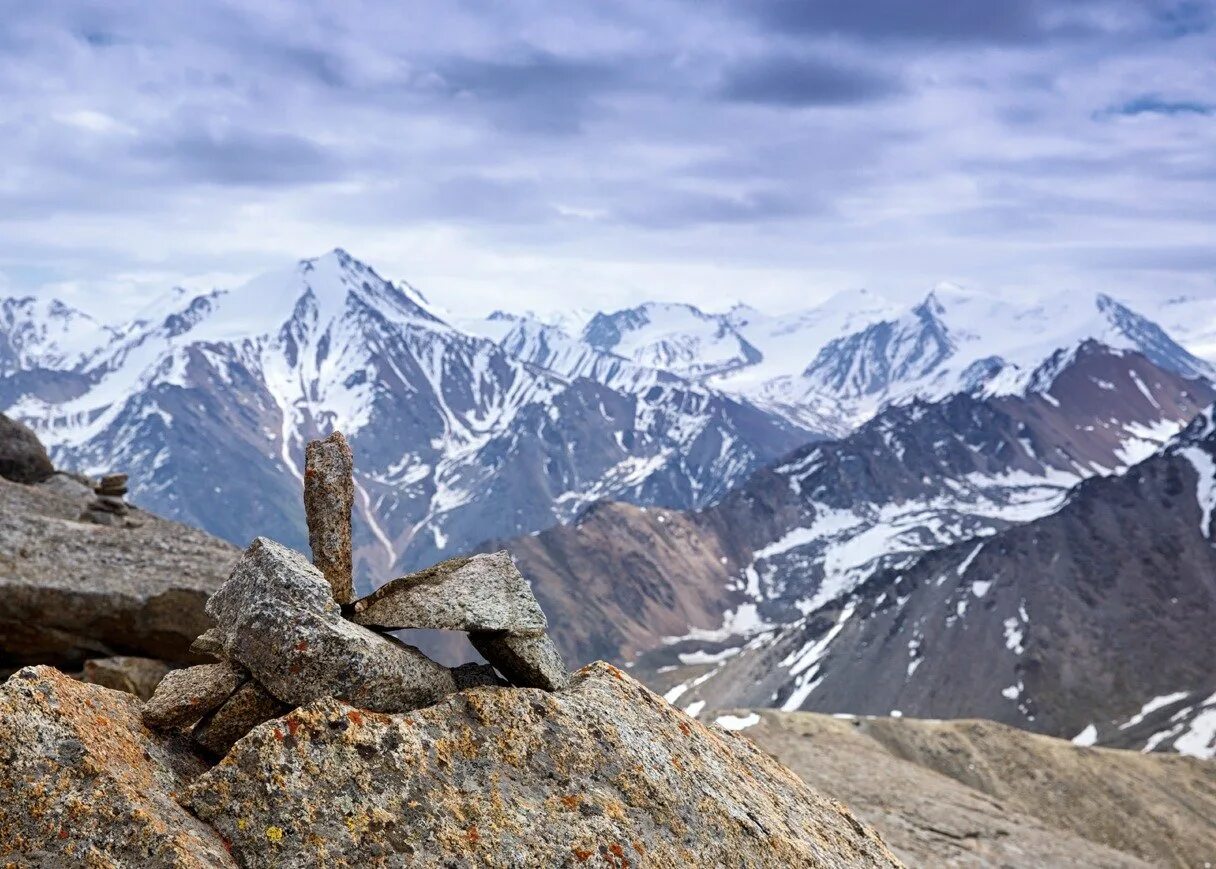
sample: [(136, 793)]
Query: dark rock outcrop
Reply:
[(23, 459), (70, 591)]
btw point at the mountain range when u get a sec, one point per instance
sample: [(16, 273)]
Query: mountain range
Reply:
[(731, 503), (457, 438)]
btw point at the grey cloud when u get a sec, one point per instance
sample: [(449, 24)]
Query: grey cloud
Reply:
[(242, 157), (937, 20), (1168, 258), (1154, 104), (785, 80), (673, 208)]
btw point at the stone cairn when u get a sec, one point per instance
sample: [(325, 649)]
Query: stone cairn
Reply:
[(109, 506), (288, 632)]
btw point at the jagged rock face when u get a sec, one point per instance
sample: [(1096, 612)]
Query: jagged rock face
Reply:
[(23, 459), (85, 784), (1077, 624), (456, 439), (604, 771), (826, 517), (71, 590)]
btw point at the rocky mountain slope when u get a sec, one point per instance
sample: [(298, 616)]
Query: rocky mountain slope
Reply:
[(975, 793), (827, 516), (1091, 622), (457, 438)]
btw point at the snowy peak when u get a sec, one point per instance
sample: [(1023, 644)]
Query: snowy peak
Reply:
[(957, 340), (677, 338), (46, 333)]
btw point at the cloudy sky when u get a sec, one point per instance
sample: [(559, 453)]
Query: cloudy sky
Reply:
[(541, 154)]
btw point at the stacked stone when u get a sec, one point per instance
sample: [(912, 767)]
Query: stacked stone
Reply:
[(282, 638), (109, 507)]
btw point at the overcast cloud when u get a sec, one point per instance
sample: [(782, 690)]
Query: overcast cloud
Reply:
[(540, 154)]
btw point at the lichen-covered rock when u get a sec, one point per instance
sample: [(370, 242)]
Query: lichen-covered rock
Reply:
[(84, 784), (23, 458), (470, 593), (529, 662), (603, 774), (329, 496), (278, 619), (184, 696), (138, 676), (244, 710)]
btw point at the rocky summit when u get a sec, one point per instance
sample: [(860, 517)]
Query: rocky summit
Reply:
[(603, 773), (311, 740)]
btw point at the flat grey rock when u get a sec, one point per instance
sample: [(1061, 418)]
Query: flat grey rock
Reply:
[(278, 618), (527, 662), (184, 696), (329, 497), (244, 710), (71, 591), (484, 593), (67, 486)]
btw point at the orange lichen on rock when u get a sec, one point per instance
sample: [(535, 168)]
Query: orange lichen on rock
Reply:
[(84, 781), (587, 774)]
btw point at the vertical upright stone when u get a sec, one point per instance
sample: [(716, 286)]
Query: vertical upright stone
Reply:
[(329, 497)]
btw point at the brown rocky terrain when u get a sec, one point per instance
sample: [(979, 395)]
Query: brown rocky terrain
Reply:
[(976, 793)]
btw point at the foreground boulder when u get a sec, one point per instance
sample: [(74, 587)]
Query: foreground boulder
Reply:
[(603, 773), (85, 784), (23, 459), (70, 591), (277, 618)]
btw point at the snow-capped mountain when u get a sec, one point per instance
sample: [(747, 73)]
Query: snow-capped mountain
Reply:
[(456, 439), (833, 366), (1092, 622), (828, 516), (672, 337), (958, 340)]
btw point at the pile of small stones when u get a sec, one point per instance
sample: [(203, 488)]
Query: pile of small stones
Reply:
[(109, 506), (288, 631)]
